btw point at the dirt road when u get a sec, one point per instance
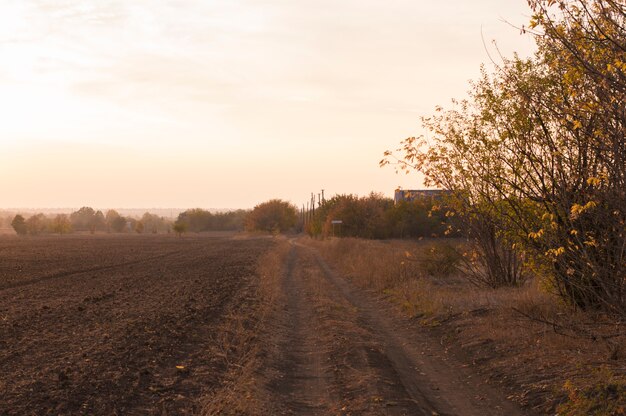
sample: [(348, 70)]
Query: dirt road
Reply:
[(341, 351)]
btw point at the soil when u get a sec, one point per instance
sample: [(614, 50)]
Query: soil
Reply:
[(130, 325), (341, 350), (112, 325)]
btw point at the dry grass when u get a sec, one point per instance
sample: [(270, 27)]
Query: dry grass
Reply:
[(522, 338), (242, 392)]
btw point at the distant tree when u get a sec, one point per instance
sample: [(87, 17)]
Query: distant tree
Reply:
[(110, 216), (83, 219), (19, 225), (199, 220), (180, 228), (196, 219), (275, 216), (115, 222), (153, 223), (61, 224), (98, 222), (139, 227), (36, 224)]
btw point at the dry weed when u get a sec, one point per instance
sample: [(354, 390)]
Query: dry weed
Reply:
[(239, 347)]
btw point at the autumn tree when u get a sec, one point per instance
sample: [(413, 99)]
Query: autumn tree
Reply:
[(274, 215), (114, 221), (61, 224), (199, 220), (196, 220), (538, 152), (584, 234), (154, 224), (98, 222), (83, 219), (36, 224), (19, 225), (180, 227)]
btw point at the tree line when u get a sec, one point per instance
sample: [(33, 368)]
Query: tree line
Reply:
[(87, 219), (377, 217)]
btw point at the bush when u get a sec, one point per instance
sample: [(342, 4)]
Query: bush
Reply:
[(440, 259)]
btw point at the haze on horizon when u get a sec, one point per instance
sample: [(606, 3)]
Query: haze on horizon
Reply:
[(225, 104)]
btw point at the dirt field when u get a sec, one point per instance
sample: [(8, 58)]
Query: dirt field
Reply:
[(140, 325), (116, 325)]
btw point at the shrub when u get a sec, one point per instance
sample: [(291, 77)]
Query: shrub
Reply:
[(439, 259)]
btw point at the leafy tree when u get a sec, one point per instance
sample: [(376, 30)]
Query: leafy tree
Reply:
[(36, 224), (154, 224), (199, 220), (537, 155), (274, 215), (19, 225), (98, 222), (180, 228), (196, 220), (83, 219), (61, 224), (362, 217), (115, 222)]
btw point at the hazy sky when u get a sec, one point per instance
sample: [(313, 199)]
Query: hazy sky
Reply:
[(149, 103)]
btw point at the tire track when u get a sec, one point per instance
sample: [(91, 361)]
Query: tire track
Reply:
[(302, 385)]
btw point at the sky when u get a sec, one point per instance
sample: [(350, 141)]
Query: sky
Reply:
[(228, 103)]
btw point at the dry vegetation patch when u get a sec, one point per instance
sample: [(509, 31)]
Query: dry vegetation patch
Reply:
[(238, 346), (549, 357)]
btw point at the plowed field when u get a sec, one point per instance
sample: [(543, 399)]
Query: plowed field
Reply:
[(116, 324)]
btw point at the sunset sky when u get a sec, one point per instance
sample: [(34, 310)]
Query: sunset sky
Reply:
[(224, 104)]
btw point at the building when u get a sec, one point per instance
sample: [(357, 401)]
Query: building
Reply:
[(414, 194)]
